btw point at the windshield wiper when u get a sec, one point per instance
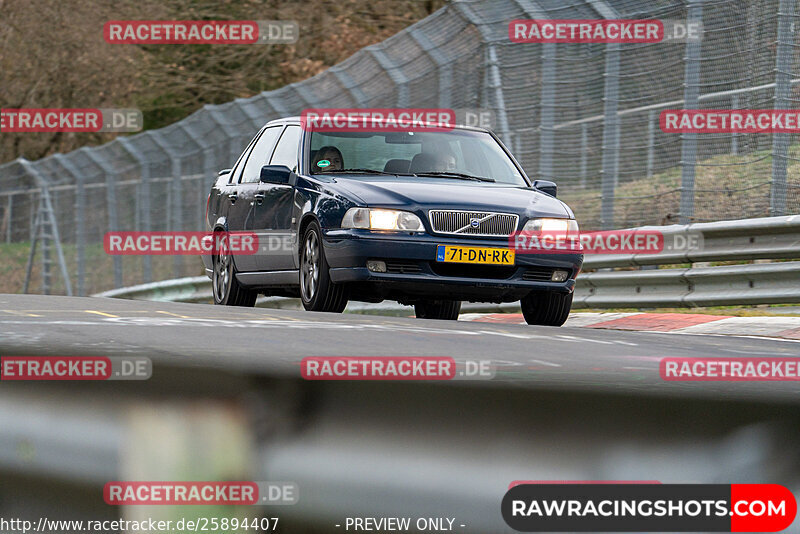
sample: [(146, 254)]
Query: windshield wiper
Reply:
[(457, 175), (370, 171)]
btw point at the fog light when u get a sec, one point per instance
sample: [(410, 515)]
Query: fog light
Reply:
[(376, 266), (559, 276)]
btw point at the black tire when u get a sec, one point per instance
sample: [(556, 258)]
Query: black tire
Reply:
[(546, 308), (317, 291), (227, 290), (438, 309)]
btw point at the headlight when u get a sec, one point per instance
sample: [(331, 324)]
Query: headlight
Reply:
[(555, 226), (380, 219)]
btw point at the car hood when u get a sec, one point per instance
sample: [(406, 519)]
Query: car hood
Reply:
[(422, 194)]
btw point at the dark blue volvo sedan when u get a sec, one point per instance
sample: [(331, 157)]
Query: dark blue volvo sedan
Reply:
[(420, 217)]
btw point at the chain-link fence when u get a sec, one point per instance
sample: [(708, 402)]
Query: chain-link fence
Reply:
[(583, 115)]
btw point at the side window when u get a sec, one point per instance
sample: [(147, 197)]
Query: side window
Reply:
[(239, 165), (286, 151), (260, 155)]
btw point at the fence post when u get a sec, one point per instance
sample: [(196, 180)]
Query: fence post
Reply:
[(780, 141), (348, 84), (177, 209), (111, 206), (443, 65), (610, 169), (547, 113), (496, 87), (734, 135), (234, 136), (651, 137), (45, 234), (143, 196), (32, 223), (394, 72), (584, 153), (174, 204), (207, 179), (79, 219), (207, 154), (691, 94), (10, 217), (492, 79)]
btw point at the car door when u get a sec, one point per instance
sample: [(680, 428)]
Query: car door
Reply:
[(230, 207), (272, 220), (244, 189)]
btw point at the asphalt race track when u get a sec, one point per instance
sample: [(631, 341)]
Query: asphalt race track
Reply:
[(274, 341)]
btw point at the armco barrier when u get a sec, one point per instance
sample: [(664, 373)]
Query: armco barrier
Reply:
[(771, 283), (198, 289), (769, 238)]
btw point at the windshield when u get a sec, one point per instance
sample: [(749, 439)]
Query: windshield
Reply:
[(457, 154)]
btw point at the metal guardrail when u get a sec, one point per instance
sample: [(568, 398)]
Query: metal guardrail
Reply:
[(773, 283), (198, 289), (743, 239), (188, 289), (769, 238)]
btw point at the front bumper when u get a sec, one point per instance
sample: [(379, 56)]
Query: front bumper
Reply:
[(414, 271)]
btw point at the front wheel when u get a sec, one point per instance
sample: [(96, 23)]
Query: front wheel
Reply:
[(546, 308), (227, 290), (317, 291), (438, 309)]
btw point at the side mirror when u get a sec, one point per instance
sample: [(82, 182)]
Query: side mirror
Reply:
[(546, 186), (224, 171), (275, 174)]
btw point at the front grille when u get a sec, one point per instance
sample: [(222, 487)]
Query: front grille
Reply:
[(402, 267), (466, 270), (538, 274), (481, 223)]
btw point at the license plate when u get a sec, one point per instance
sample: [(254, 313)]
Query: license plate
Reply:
[(484, 255)]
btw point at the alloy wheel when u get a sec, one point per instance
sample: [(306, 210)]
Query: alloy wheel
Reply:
[(310, 267), (222, 272)]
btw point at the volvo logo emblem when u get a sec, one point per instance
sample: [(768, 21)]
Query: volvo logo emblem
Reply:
[(474, 222)]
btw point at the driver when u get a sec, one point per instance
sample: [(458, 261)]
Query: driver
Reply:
[(444, 158), (445, 162), (332, 155)]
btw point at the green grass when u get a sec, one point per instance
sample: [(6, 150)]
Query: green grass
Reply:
[(726, 187), (99, 269)]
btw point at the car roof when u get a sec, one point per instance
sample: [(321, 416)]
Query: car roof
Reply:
[(297, 119)]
